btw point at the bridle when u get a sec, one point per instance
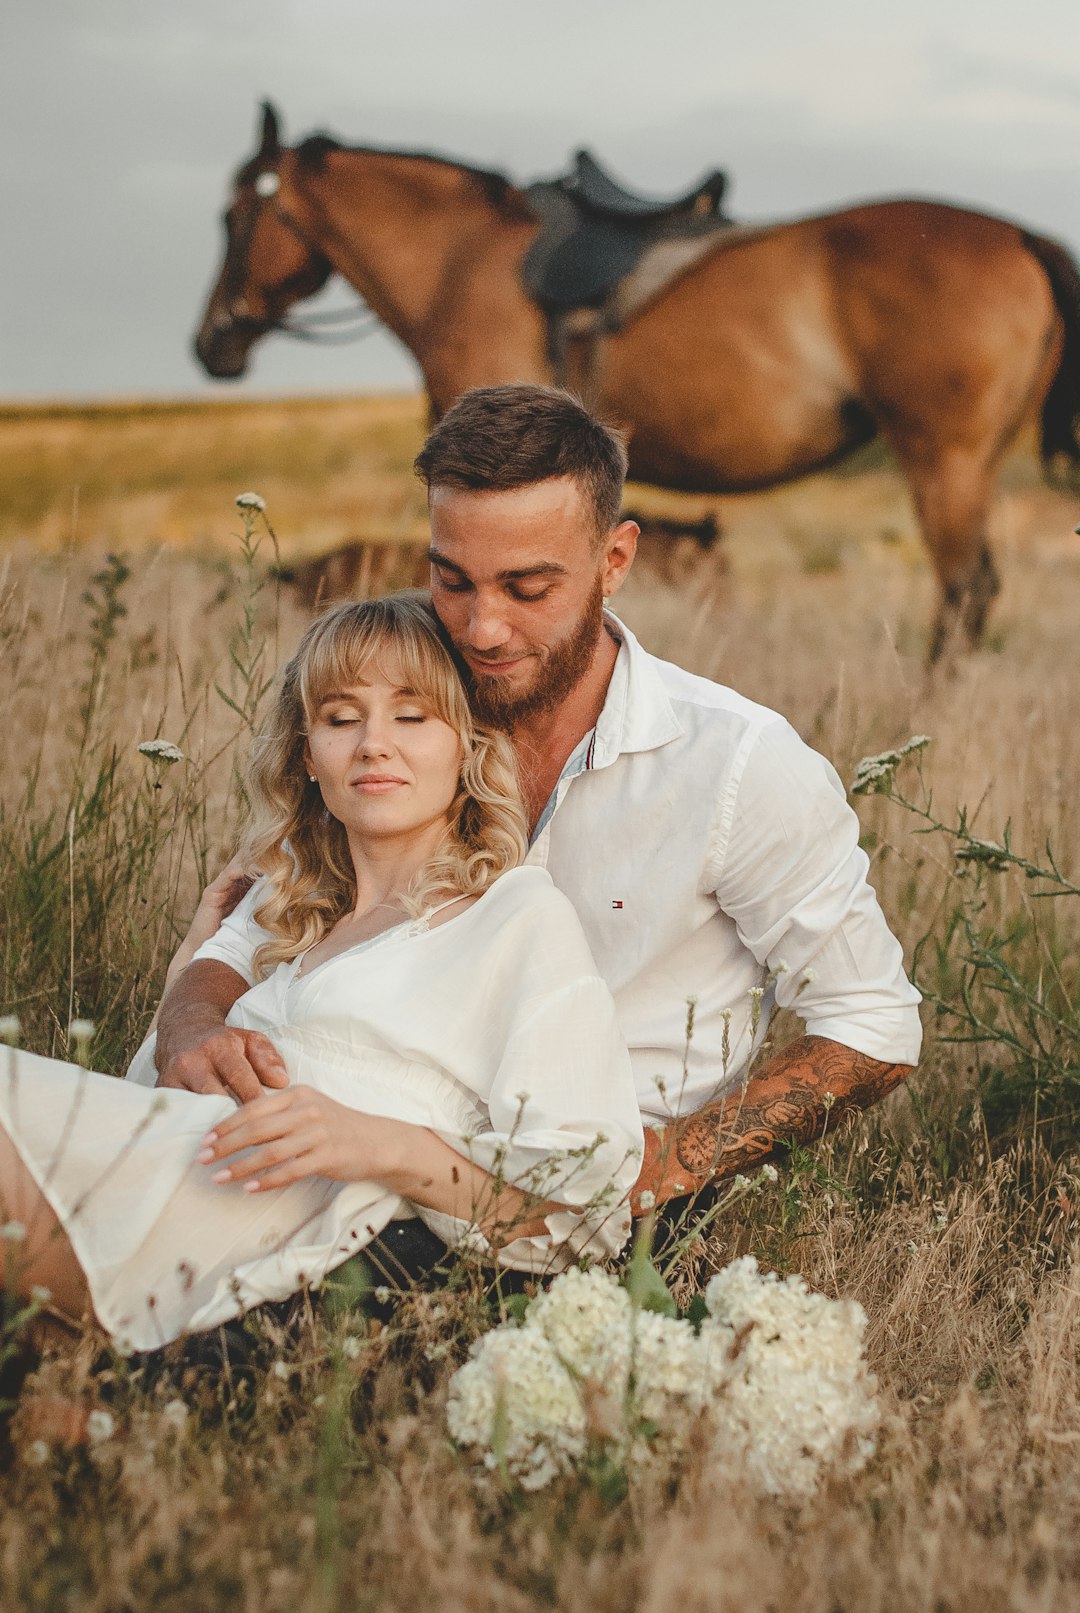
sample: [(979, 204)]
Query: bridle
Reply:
[(331, 327)]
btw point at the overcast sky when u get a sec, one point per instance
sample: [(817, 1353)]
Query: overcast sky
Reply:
[(124, 118)]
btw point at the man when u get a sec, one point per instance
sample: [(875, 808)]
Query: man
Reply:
[(711, 855)]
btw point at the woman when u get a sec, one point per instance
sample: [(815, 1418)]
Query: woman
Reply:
[(448, 1043)]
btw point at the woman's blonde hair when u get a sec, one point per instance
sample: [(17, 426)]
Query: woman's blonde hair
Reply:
[(291, 837)]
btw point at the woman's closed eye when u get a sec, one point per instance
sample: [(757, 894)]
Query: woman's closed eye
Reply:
[(401, 716)]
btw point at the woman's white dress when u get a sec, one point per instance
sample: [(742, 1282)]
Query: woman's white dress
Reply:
[(492, 1029)]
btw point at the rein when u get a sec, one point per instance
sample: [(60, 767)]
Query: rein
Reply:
[(359, 322)]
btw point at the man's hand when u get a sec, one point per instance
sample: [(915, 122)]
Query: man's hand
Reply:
[(216, 903), (798, 1096), (219, 898), (198, 1052)]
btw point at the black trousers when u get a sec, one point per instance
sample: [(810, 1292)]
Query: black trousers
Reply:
[(407, 1254)]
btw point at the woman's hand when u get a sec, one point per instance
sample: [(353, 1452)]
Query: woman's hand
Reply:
[(301, 1132), (292, 1135)]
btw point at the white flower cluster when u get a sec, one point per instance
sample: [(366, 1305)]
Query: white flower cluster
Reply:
[(161, 750), (798, 1400), (773, 1380), (874, 774), (516, 1402)]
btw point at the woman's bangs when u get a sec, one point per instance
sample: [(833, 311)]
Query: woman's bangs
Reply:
[(342, 656)]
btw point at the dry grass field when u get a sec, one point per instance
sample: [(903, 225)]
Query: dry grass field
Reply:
[(316, 1473)]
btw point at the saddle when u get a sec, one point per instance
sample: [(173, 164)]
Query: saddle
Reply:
[(596, 239)]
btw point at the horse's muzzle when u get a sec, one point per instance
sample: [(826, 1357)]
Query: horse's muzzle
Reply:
[(222, 352)]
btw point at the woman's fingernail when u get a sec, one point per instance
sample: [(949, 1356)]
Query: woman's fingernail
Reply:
[(251, 1187), (211, 1137), (204, 1157), (222, 1176)]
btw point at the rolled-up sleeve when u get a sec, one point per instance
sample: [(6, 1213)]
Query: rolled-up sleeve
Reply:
[(790, 872)]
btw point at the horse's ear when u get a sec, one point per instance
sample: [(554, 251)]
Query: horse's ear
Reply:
[(269, 139)]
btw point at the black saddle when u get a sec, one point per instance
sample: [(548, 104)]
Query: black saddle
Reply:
[(594, 232)]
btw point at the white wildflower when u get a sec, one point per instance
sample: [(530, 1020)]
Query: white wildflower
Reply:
[(250, 501), (40, 1295), (161, 750), (81, 1033), (587, 1317), (10, 1028), (13, 1232), (797, 1398), (100, 1426), (770, 1173), (37, 1453), (513, 1401), (874, 774), (647, 1201), (669, 1390), (282, 1371), (175, 1413), (382, 1294), (351, 1347)]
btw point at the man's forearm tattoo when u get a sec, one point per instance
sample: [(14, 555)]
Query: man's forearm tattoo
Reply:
[(800, 1095)]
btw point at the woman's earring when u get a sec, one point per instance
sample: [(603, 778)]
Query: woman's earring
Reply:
[(311, 778)]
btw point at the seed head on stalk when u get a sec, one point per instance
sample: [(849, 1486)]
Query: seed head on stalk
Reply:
[(81, 1033)]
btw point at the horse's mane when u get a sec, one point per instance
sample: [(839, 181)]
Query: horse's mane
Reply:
[(498, 187)]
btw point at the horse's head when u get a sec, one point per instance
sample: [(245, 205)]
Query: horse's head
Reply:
[(269, 263)]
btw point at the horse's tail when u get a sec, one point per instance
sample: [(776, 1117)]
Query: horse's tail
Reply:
[(1061, 407)]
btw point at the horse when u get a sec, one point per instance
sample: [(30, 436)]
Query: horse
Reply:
[(774, 354)]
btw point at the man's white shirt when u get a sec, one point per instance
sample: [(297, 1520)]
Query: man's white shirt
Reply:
[(712, 856), (713, 861)]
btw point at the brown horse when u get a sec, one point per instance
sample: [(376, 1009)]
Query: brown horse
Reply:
[(773, 355)]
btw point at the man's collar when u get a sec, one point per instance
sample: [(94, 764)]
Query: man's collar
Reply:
[(637, 714)]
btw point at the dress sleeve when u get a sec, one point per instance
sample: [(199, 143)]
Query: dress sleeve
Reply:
[(564, 1123), (239, 937), (792, 875)]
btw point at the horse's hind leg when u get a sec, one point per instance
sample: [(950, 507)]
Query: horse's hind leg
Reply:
[(952, 499)]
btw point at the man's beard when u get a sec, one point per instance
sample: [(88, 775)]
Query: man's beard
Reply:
[(564, 667)]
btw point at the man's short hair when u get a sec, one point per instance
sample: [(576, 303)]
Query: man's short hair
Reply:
[(498, 438)]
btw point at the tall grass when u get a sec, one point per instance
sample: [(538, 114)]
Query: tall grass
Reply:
[(311, 1470)]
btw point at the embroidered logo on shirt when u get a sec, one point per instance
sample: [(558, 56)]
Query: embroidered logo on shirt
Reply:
[(616, 904)]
